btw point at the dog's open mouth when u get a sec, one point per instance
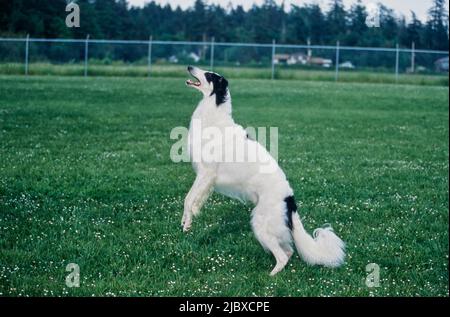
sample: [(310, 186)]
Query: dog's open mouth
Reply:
[(192, 83), (195, 82)]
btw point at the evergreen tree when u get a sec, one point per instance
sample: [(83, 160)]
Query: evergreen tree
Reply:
[(297, 31), (336, 21), (357, 17), (316, 24), (389, 26), (436, 35), (197, 27), (414, 32), (88, 22)]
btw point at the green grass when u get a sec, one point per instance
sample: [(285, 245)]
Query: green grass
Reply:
[(85, 177), (177, 71)]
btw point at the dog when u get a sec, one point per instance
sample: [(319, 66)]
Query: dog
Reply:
[(275, 220)]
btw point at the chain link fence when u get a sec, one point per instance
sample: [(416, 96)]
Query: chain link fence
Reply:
[(94, 57)]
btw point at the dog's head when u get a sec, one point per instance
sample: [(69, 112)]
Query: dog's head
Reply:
[(209, 84)]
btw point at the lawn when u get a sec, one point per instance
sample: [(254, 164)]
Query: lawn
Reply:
[(86, 178), (281, 72)]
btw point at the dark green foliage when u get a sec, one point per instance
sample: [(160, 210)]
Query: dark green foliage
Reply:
[(115, 19), (436, 30)]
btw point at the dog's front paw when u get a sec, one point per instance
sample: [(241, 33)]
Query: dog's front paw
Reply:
[(186, 222), (187, 226)]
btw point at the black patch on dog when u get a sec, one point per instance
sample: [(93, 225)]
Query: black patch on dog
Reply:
[(220, 85), (291, 207)]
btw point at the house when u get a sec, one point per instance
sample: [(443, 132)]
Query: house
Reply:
[(302, 59), (281, 58), (319, 61), (441, 65), (297, 58)]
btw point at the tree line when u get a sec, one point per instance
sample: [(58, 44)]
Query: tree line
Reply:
[(115, 19)]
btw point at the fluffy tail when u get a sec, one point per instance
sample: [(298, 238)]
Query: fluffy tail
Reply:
[(326, 248)]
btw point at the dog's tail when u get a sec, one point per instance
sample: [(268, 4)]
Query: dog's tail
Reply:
[(324, 248)]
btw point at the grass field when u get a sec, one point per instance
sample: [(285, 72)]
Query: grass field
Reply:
[(285, 73), (85, 177)]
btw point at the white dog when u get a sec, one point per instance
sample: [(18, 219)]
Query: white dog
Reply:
[(275, 220)]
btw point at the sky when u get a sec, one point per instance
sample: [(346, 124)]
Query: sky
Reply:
[(420, 7)]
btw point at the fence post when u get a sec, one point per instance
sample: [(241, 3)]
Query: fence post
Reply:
[(336, 75), (309, 51), (397, 53), (413, 56), (212, 54), (273, 59), (27, 49), (86, 55), (149, 59)]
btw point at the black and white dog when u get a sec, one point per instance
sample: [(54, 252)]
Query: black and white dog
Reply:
[(275, 220)]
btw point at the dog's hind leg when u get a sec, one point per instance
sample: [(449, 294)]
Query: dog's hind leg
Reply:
[(287, 248), (274, 247), (270, 241), (281, 257)]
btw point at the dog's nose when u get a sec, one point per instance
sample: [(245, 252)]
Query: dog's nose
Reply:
[(190, 68)]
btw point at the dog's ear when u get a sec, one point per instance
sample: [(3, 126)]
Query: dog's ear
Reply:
[(220, 89)]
